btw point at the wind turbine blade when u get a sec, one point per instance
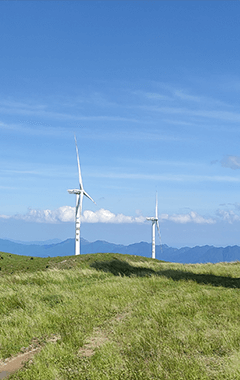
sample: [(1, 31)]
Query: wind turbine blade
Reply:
[(77, 206), (88, 196), (156, 207), (79, 168)]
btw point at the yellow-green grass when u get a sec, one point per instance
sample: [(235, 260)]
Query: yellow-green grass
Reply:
[(122, 317)]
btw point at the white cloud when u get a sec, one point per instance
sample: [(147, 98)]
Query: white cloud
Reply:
[(228, 216), (191, 217), (106, 216), (5, 217), (62, 214), (232, 162), (67, 214)]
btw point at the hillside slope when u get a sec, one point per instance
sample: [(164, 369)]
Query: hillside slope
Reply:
[(112, 316)]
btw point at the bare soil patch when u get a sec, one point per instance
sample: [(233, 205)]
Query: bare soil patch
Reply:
[(99, 338), (13, 364)]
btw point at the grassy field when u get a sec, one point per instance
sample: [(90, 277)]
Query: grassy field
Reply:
[(110, 316)]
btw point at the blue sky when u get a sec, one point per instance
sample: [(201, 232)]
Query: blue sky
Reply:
[(151, 89)]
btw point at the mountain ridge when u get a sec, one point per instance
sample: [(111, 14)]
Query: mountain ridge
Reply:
[(184, 255)]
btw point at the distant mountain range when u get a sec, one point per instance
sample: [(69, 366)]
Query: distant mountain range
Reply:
[(186, 255)]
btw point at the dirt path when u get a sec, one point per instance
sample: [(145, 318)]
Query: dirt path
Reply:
[(12, 365), (98, 339)]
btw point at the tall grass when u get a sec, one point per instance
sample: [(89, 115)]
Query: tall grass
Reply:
[(123, 317)]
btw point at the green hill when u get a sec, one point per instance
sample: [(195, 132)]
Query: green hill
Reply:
[(111, 316)]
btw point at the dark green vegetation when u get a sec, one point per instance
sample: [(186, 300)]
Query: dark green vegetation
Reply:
[(120, 317), (11, 264)]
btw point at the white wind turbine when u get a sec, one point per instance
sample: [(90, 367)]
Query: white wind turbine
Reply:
[(155, 223), (79, 199)]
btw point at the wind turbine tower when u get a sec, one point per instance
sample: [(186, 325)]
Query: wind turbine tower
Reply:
[(79, 199), (155, 223)]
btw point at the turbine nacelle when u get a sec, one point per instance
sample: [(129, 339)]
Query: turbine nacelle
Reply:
[(74, 191), (152, 219), (79, 191)]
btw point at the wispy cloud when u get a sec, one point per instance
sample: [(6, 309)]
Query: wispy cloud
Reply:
[(181, 94), (30, 106), (35, 110), (174, 101), (129, 134), (162, 162), (205, 101), (167, 177), (172, 93), (33, 128), (220, 115), (155, 96), (44, 171)]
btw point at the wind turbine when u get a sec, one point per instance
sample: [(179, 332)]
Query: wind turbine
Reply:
[(155, 223), (79, 199)]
